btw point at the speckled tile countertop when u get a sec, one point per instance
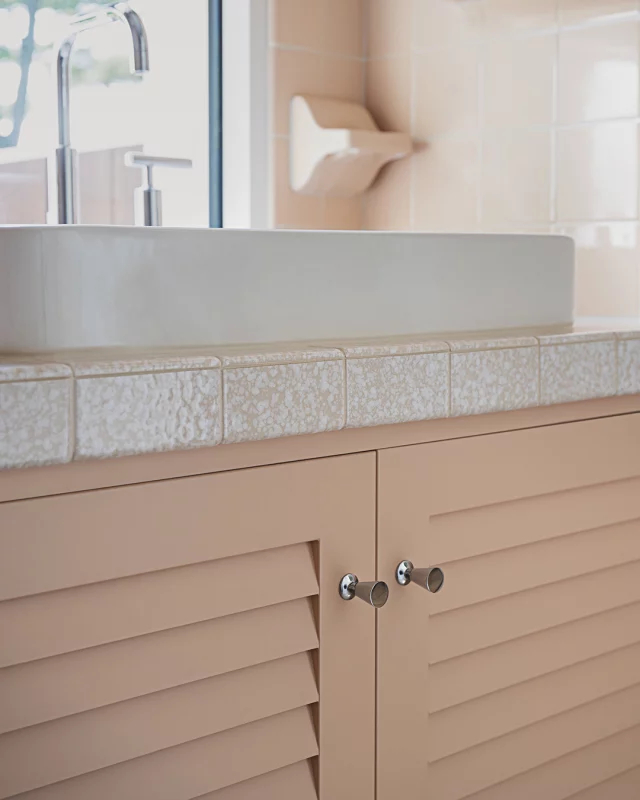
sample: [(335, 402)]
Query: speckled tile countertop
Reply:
[(81, 405)]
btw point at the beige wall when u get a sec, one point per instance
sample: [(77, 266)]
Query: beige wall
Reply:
[(525, 116), (317, 47)]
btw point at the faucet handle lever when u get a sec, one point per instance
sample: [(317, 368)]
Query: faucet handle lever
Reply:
[(136, 159), (149, 209)]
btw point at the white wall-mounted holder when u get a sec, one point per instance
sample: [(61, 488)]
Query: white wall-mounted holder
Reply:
[(336, 148)]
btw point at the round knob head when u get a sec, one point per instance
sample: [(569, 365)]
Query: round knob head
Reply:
[(434, 580), (378, 594)]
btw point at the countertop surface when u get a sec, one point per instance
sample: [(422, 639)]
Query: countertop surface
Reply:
[(62, 407)]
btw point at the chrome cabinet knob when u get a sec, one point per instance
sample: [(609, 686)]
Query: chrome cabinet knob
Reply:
[(430, 578), (375, 593)]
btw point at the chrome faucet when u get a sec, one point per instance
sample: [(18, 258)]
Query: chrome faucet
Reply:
[(66, 156)]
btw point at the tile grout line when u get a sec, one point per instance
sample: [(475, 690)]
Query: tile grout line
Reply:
[(73, 419), (223, 426), (450, 377)]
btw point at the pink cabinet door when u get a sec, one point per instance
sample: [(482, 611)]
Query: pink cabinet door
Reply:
[(520, 678), (186, 638)]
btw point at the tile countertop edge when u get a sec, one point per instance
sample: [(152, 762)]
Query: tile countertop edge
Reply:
[(55, 409)]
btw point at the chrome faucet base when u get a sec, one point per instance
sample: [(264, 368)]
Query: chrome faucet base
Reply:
[(66, 172)]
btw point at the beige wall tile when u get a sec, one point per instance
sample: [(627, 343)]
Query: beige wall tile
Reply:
[(149, 413), (327, 26), (442, 24), (300, 23), (392, 389), (292, 209), (387, 204), (390, 25), (484, 381), (344, 27), (573, 12), (35, 423), (519, 81), (446, 91), (343, 213), (598, 72), (283, 400), (388, 92), (294, 72), (516, 180), (445, 190), (572, 372), (598, 172), (299, 72), (629, 366), (518, 15), (344, 78), (607, 269)]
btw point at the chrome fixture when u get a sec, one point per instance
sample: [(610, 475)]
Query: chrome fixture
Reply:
[(430, 578), (66, 156), (148, 198), (375, 593)]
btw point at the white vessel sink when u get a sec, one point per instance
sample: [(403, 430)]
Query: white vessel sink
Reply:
[(85, 286)]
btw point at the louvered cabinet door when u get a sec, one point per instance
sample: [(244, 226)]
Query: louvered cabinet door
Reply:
[(520, 678), (186, 638)]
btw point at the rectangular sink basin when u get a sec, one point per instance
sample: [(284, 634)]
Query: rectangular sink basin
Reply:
[(87, 286)]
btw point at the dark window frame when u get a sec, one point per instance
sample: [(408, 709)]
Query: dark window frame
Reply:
[(215, 114)]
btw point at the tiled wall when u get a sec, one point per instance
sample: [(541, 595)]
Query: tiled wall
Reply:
[(317, 47), (525, 115)]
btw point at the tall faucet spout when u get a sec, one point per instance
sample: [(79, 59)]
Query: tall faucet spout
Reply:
[(66, 157)]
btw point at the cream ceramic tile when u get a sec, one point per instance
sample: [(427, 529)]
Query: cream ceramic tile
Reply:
[(445, 192), (516, 180), (283, 400), (393, 346), (607, 269), (574, 12), (575, 337), (147, 413), (19, 368), (96, 363), (581, 371), (388, 92), (292, 209), (264, 354), (629, 366), (451, 105), (598, 72), (389, 27), (387, 204), (518, 81), (398, 388), (489, 342), (35, 420), (598, 172), (493, 380)]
